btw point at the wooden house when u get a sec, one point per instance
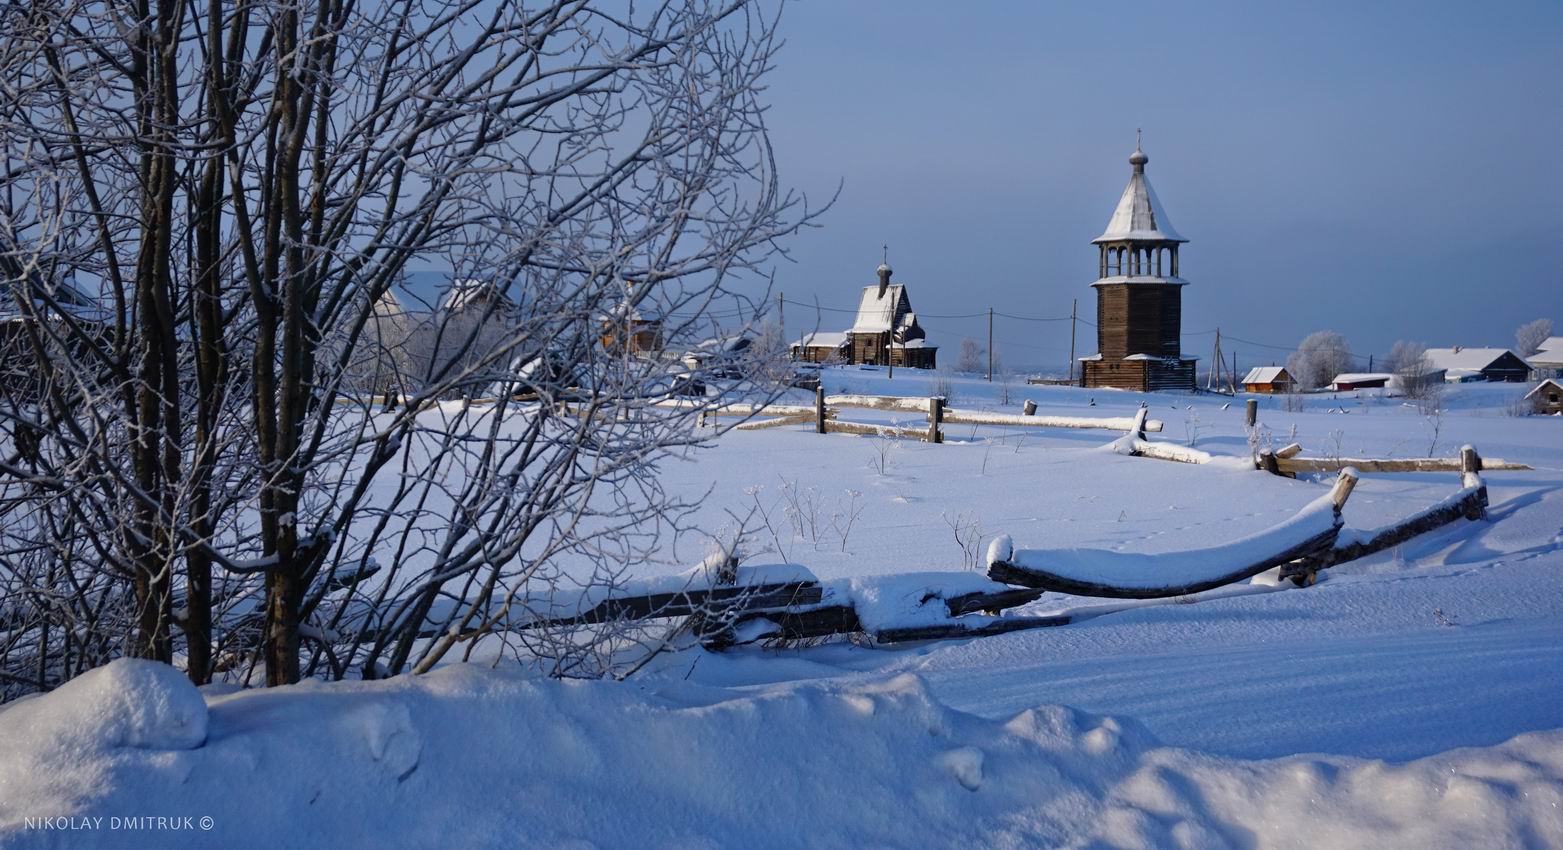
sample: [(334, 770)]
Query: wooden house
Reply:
[(1548, 361), (1269, 380), (1139, 296), (635, 327), (1547, 397), (821, 347), (1360, 381), (886, 330), (1461, 365)]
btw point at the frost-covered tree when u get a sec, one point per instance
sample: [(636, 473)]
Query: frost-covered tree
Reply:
[(1405, 356), (191, 471), (1407, 360), (1529, 337), (1319, 358), (970, 357)]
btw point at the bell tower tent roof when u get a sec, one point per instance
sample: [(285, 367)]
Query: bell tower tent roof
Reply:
[(1139, 216)]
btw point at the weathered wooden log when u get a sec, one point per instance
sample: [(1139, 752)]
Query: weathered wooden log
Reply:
[(1267, 462), (1302, 572), (954, 416), (833, 426), (1029, 409), (683, 603), (787, 624), (1251, 412), (780, 421), (956, 630), (1003, 571), (909, 404), (1450, 464), (968, 603), (819, 409), (935, 416), (1168, 451), (1289, 450)]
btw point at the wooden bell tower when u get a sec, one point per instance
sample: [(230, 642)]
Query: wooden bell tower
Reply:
[(1139, 296)]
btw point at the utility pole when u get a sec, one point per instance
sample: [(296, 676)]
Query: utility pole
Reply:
[(990, 345), (1213, 376), (1074, 305), (1232, 376), (781, 315)]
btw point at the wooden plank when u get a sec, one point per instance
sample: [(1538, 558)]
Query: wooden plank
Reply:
[(1439, 464), (1111, 423), (866, 429), (761, 424), (909, 404)]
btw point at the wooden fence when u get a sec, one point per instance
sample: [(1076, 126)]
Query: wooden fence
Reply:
[(824, 415)]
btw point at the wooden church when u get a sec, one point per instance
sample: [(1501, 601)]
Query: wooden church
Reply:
[(1139, 296)]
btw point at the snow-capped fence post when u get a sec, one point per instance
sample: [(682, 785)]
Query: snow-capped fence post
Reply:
[(1267, 462), (1251, 412), (1030, 408), (1344, 484), (1470, 467), (819, 408), (935, 416)]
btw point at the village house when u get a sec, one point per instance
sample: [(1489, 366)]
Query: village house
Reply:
[(1547, 397), (1139, 296), (1348, 381), (1268, 380), (1548, 362), (821, 347), (632, 326), (1462, 365), (885, 332)]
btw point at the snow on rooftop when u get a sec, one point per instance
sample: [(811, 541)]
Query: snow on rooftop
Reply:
[(1551, 353), (1550, 382), (1361, 377), (1464, 360), (875, 312), (1139, 214), (822, 339), (1264, 374)]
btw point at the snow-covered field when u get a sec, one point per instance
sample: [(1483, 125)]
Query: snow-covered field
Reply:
[(1410, 699)]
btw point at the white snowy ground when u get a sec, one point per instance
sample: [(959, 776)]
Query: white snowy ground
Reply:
[(1413, 699)]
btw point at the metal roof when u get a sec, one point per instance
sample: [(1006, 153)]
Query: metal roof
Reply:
[(1264, 375), (1139, 215), (1465, 360)]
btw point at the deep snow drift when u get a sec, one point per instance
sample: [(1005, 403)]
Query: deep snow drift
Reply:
[(475, 757), (1410, 699)]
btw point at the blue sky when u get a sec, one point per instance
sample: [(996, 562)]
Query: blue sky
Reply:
[(1386, 170)]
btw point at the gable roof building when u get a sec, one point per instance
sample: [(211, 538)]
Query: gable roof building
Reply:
[(1478, 364), (1268, 379), (884, 331), (1548, 362)]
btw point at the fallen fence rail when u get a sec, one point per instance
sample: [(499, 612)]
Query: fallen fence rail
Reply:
[(1308, 534), (1469, 502)]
